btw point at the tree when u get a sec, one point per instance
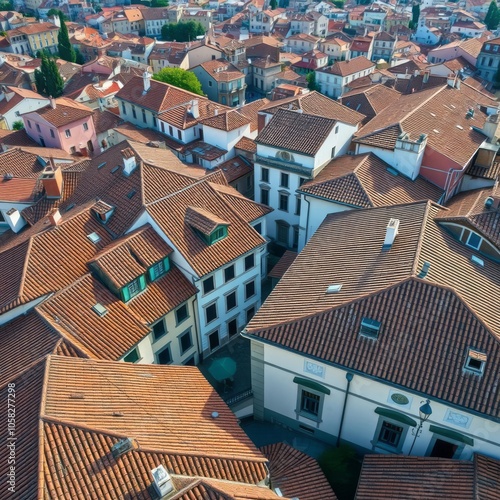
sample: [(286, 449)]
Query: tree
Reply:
[(159, 3), (273, 4), (183, 31), (179, 78), (48, 79), (66, 50), (79, 57), (18, 125), (56, 13), (415, 12), (339, 3), (311, 81), (492, 18)]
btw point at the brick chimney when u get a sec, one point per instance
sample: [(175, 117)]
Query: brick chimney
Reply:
[(52, 180), (54, 217)]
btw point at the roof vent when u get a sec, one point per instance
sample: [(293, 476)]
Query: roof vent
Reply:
[(8, 177), (390, 234), (99, 309), (477, 260), (489, 202), (123, 446), (215, 414), (94, 238), (334, 288), (77, 395), (162, 481), (424, 270)]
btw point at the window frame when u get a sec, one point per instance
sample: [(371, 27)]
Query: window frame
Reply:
[(284, 180), (283, 202), (246, 262), (231, 294), (209, 279), (248, 283), (183, 335), (206, 309), (387, 446), (226, 279), (135, 351), (299, 409), (177, 309), (167, 348), (67, 133), (161, 322)]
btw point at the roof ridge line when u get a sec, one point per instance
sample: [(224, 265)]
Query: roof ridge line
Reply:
[(418, 250)]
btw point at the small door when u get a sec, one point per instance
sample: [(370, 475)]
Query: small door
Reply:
[(214, 340), (443, 449)]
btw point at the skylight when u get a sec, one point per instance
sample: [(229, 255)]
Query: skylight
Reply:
[(99, 309), (101, 165), (370, 328), (94, 238), (334, 288), (115, 169), (477, 260)]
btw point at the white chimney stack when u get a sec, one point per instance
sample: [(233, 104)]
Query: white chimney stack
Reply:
[(162, 481), (195, 108), (390, 233), (14, 219), (52, 103), (129, 161), (146, 77)]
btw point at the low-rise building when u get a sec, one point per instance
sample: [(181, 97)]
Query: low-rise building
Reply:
[(16, 101)]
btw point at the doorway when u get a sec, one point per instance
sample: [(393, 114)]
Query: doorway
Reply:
[(443, 449)]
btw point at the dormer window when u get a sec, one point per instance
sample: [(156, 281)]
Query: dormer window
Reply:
[(474, 241), (370, 328), (207, 225), (475, 362), (158, 269)]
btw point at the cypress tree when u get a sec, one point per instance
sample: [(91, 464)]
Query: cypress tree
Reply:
[(48, 79), (66, 50)]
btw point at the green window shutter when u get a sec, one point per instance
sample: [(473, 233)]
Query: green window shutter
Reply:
[(125, 294), (456, 436), (166, 263), (142, 281), (311, 384), (151, 274), (395, 415)]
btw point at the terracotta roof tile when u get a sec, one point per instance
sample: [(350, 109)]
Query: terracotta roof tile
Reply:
[(202, 220), (370, 101), (281, 267), (487, 475), (296, 474), (366, 181), (236, 167), (17, 189), (105, 120), (246, 144), (227, 121), (221, 70), (287, 130), (65, 112), (345, 68), (251, 110)]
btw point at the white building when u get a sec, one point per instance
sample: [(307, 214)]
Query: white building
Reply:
[(375, 317)]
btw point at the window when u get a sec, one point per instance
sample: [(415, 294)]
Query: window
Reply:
[(134, 288), (213, 340), (333, 152), (250, 313), (185, 341), (208, 284), (390, 434), (134, 114), (181, 313), (29, 123), (264, 196), (249, 261), (474, 241), (282, 230), (124, 108), (369, 328), (144, 119), (232, 327), (297, 205), (132, 356), (258, 228), (209, 83), (164, 357), (283, 205), (159, 269), (309, 403), (301, 181), (475, 361), (85, 127), (249, 290), (217, 234), (229, 273), (230, 301), (211, 312), (179, 135), (72, 150), (68, 132), (295, 243), (159, 330), (264, 174), (52, 134), (284, 179), (170, 130)]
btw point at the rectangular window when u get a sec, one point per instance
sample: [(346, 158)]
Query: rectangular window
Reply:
[(124, 108), (229, 273), (258, 228), (185, 341), (181, 313), (159, 269), (213, 340), (284, 179), (302, 180), (475, 361), (230, 301), (85, 127), (134, 114), (38, 127), (29, 123), (159, 330), (134, 288), (474, 240), (264, 174), (370, 328), (164, 357), (144, 119), (170, 130), (68, 132), (232, 327), (297, 205), (264, 196), (390, 434), (249, 289), (179, 135), (283, 202), (282, 230), (72, 150), (211, 313), (333, 152), (250, 313), (208, 284), (249, 261), (132, 356), (309, 403), (52, 134)]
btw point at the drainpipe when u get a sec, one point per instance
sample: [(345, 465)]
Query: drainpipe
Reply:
[(349, 376), (307, 218)]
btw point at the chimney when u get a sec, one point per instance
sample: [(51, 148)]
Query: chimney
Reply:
[(146, 77), (261, 122), (195, 108), (427, 74), (162, 481), (54, 217), (390, 234), (216, 111), (14, 219), (451, 80), (52, 180), (129, 161), (52, 103)]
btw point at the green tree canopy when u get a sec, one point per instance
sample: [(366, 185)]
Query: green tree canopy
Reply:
[(55, 12), (18, 125), (273, 4), (66, 50), (48, 79), (492, 18), (159, 3), (311, 81), (415, 12), (183, 31), (179, 78)]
